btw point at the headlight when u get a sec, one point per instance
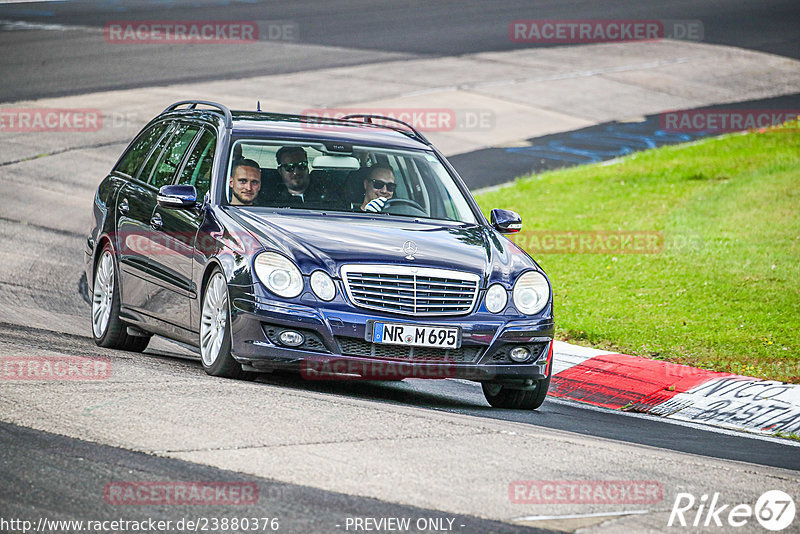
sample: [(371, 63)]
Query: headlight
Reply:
[(531, 292), (496, 298), (279, 274), (323, 285)]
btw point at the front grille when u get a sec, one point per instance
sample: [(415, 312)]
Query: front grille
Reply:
[(352, 346), (410, 290)]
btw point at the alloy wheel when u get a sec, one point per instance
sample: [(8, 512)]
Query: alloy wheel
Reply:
[(103, 294), (214, 319)]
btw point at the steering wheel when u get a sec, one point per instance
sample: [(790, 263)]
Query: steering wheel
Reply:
[(403, 206)]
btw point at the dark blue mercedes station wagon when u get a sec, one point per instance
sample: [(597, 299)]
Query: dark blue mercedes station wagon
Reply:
[(338, 248)]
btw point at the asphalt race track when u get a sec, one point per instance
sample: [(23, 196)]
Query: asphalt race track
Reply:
[(72, 464), (320, 453), (363, 31)]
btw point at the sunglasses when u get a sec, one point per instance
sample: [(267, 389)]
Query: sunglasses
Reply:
[(380, 184), (290, 167)]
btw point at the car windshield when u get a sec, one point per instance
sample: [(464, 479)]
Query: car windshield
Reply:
[(357, 179)]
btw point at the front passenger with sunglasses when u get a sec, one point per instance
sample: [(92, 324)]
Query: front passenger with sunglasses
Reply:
[(379, 187)]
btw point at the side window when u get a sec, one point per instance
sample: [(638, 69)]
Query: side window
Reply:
[(144, 174), (197, 170), (137, 152), (173, 155)]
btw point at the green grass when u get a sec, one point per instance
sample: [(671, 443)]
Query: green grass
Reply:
[(787, 435), (724, 291)]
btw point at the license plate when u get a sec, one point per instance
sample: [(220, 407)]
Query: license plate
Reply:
[(416, 335)]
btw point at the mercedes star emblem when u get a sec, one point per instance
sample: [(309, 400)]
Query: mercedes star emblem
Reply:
[(410, 248)]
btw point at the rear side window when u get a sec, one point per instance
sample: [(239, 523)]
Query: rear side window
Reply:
[(197, 171), (147, 170), (173, 155), (132, 161)]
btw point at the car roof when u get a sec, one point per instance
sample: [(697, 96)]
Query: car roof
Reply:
[(260, 124), (247, 124)]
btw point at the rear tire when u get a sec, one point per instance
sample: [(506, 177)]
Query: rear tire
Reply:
[(215, 331), (500, 396), (107, 329)]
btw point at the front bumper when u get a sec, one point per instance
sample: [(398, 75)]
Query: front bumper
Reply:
[(335, 344)]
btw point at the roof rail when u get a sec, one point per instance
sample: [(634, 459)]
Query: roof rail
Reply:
[(193, 105), (368, 120)]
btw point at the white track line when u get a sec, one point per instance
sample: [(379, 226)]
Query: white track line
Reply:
[(578, 516)]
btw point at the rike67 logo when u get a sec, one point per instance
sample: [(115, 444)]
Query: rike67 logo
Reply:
[(774, 510)]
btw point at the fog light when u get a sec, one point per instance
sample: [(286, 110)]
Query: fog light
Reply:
[(291, 338), (520, 354)]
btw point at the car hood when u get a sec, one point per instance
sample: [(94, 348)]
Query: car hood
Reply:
[(326, 240)]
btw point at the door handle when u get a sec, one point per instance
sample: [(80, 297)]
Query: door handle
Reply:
[(123, 206), (155, 221)]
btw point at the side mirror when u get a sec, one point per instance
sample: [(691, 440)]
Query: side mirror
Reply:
[(177, 196), (506, 221)]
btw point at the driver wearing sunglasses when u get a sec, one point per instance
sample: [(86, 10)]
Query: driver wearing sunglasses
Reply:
[(379, 187)]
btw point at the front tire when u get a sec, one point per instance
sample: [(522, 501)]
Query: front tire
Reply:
[(215, 331), (500, 396), (107, 329)]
